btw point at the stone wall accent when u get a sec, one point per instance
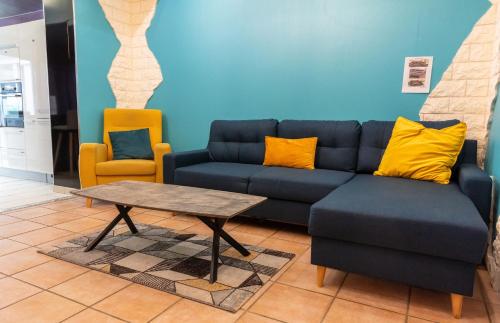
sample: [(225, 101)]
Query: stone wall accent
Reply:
[(135, 72), (468, 88), (467, 91)]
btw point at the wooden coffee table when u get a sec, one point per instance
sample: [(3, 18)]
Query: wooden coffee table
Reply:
[(214, 208)]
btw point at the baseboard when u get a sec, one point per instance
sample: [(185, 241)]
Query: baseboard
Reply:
[(28, 175)]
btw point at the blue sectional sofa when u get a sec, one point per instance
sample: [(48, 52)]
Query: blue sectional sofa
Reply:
[(420, 233)]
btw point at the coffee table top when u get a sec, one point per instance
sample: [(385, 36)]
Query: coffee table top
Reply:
[(174, 198)]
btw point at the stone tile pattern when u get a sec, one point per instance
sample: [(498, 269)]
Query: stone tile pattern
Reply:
[(135, 72), (468, 87), (167, 197), (177, 263)]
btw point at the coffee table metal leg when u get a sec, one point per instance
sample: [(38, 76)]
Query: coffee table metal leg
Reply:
[(235, 244), (224, 235), (122, 215), (215, 251)]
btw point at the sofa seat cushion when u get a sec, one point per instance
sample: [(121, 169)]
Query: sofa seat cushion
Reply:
[(231, 177), (126, 167), (299, 185), (415, 216)]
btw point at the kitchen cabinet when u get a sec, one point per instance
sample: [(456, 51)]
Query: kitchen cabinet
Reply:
[(38, 145), (10, 67), (23, 58), (13, 138), (13, 158)]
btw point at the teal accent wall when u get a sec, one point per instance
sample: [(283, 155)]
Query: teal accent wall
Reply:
[(96, 47), (235, 59)]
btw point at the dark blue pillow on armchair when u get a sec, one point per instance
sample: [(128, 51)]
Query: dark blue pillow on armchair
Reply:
[(132, 144)]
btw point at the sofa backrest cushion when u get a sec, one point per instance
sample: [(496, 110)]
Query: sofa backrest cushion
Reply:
[(375, 136), (240, 141), (338, 141)]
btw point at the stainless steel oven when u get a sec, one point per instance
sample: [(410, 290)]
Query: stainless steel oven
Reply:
[(11, 104)]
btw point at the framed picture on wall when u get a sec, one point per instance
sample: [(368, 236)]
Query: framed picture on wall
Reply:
[(417, 74)]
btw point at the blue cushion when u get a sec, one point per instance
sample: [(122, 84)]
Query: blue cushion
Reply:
[(338, 141), (131, 144), (240, 141), (416, 216), (375, 136), (231, 177), (300, 185)]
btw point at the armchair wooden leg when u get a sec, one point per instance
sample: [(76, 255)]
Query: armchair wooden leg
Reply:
[(88, 202), (456, 305), (320, 275)]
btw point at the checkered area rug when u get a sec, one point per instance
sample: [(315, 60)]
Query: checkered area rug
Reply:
[(177, 263)]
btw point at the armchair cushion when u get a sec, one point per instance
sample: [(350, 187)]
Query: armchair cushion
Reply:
[(477, 185), (126, 167), (131, 144), (132, 119)]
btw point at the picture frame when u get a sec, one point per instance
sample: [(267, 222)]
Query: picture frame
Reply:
[(417, 74)]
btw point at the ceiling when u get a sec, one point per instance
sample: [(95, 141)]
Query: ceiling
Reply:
[(9, 8)]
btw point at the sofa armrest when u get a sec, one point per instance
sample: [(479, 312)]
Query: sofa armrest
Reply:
[(477, 185), (159, 151), (90, 155), (175, 160)]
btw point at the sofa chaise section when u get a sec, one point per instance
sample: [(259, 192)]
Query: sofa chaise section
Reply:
[(431, 233), (413, 216), (419, 233)]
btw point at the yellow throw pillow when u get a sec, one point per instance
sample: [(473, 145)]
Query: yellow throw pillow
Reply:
[(295, 153), (421, 153)]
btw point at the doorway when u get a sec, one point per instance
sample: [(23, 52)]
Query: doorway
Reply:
[(62, 90)]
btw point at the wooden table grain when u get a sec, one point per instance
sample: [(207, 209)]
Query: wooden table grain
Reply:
[(174, 198)]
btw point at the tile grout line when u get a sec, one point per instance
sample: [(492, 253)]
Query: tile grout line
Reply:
[(335, 296), (9, 253), (44, 242), (408, 305), (62, 296), (484, 296), (166, 309), (187, 229), (372, 306), (85, 306)]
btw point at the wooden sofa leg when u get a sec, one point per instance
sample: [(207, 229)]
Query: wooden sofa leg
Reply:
[(88, 202), (456, 305), (320, 275)]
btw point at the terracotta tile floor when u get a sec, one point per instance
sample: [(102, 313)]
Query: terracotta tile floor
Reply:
[(37, 288)]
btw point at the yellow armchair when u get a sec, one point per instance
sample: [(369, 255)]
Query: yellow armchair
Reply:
[(96, 162)]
